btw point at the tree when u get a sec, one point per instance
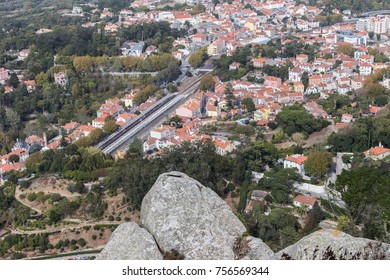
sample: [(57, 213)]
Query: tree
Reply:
[(14, 80), (295, 119), (54, 216), (298, 138), (5, 143), (318, 163), (83, 64), (344, 224), (280, 182), (41, 79), (32, 196), (371, 35), (305, 80), (207, 82), (361, 188), (317, 213), (374, 89), (135, 148), (259, 154), (249, 104), (110, 126), (345, 48), (13, 118), (198, 57), (13, 158)]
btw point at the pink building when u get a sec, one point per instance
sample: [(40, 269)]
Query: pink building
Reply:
[(4, 75), (272, 82)]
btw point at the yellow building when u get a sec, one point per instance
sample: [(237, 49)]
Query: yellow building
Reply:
[(216, 48), (261, 114), (250, 25)]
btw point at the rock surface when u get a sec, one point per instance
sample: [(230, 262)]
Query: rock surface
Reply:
[(184, 215), (258, 250), (180, 215), (130, 242), (333, 244)]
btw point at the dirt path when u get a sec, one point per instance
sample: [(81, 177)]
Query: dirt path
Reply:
[(18, 193), (64, 227), (319, 136)]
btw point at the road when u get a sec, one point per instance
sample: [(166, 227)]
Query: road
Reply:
[(130, 73), (320, 192), (373, 13), (338, 167)]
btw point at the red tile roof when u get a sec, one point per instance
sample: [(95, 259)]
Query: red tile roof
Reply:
[(376, 151), (299, 159), (305, 200)]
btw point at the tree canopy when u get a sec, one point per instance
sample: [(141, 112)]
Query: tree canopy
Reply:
[(295, 119)]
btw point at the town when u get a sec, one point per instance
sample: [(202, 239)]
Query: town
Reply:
[(290, 99)]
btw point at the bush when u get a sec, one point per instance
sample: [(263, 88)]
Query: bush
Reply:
[(118, 219), (56, 197), (17, 256), (110, 218), (94, 237), (230, 187), (32, 197), (25, 184), (82, 242), (234, 195)]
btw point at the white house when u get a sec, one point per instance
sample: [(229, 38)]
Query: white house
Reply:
[(295, 161), (61, 79), (308, 201), (377, 153), (163, 132), (386, 81), (346, 118)]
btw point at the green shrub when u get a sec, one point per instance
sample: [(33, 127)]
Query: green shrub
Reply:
[(82, 242), (32, 197)]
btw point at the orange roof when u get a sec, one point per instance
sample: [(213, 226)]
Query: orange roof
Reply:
[(374, 109), (299, 159), (4, 168), (85, 128), (120, 123), (305, 200), (222, 144), (376, 151), (272, 78), (54, 145), (70, 125), (199, 35), (341, 125)]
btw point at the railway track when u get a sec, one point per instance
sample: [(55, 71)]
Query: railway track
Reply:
[(118, 139)]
